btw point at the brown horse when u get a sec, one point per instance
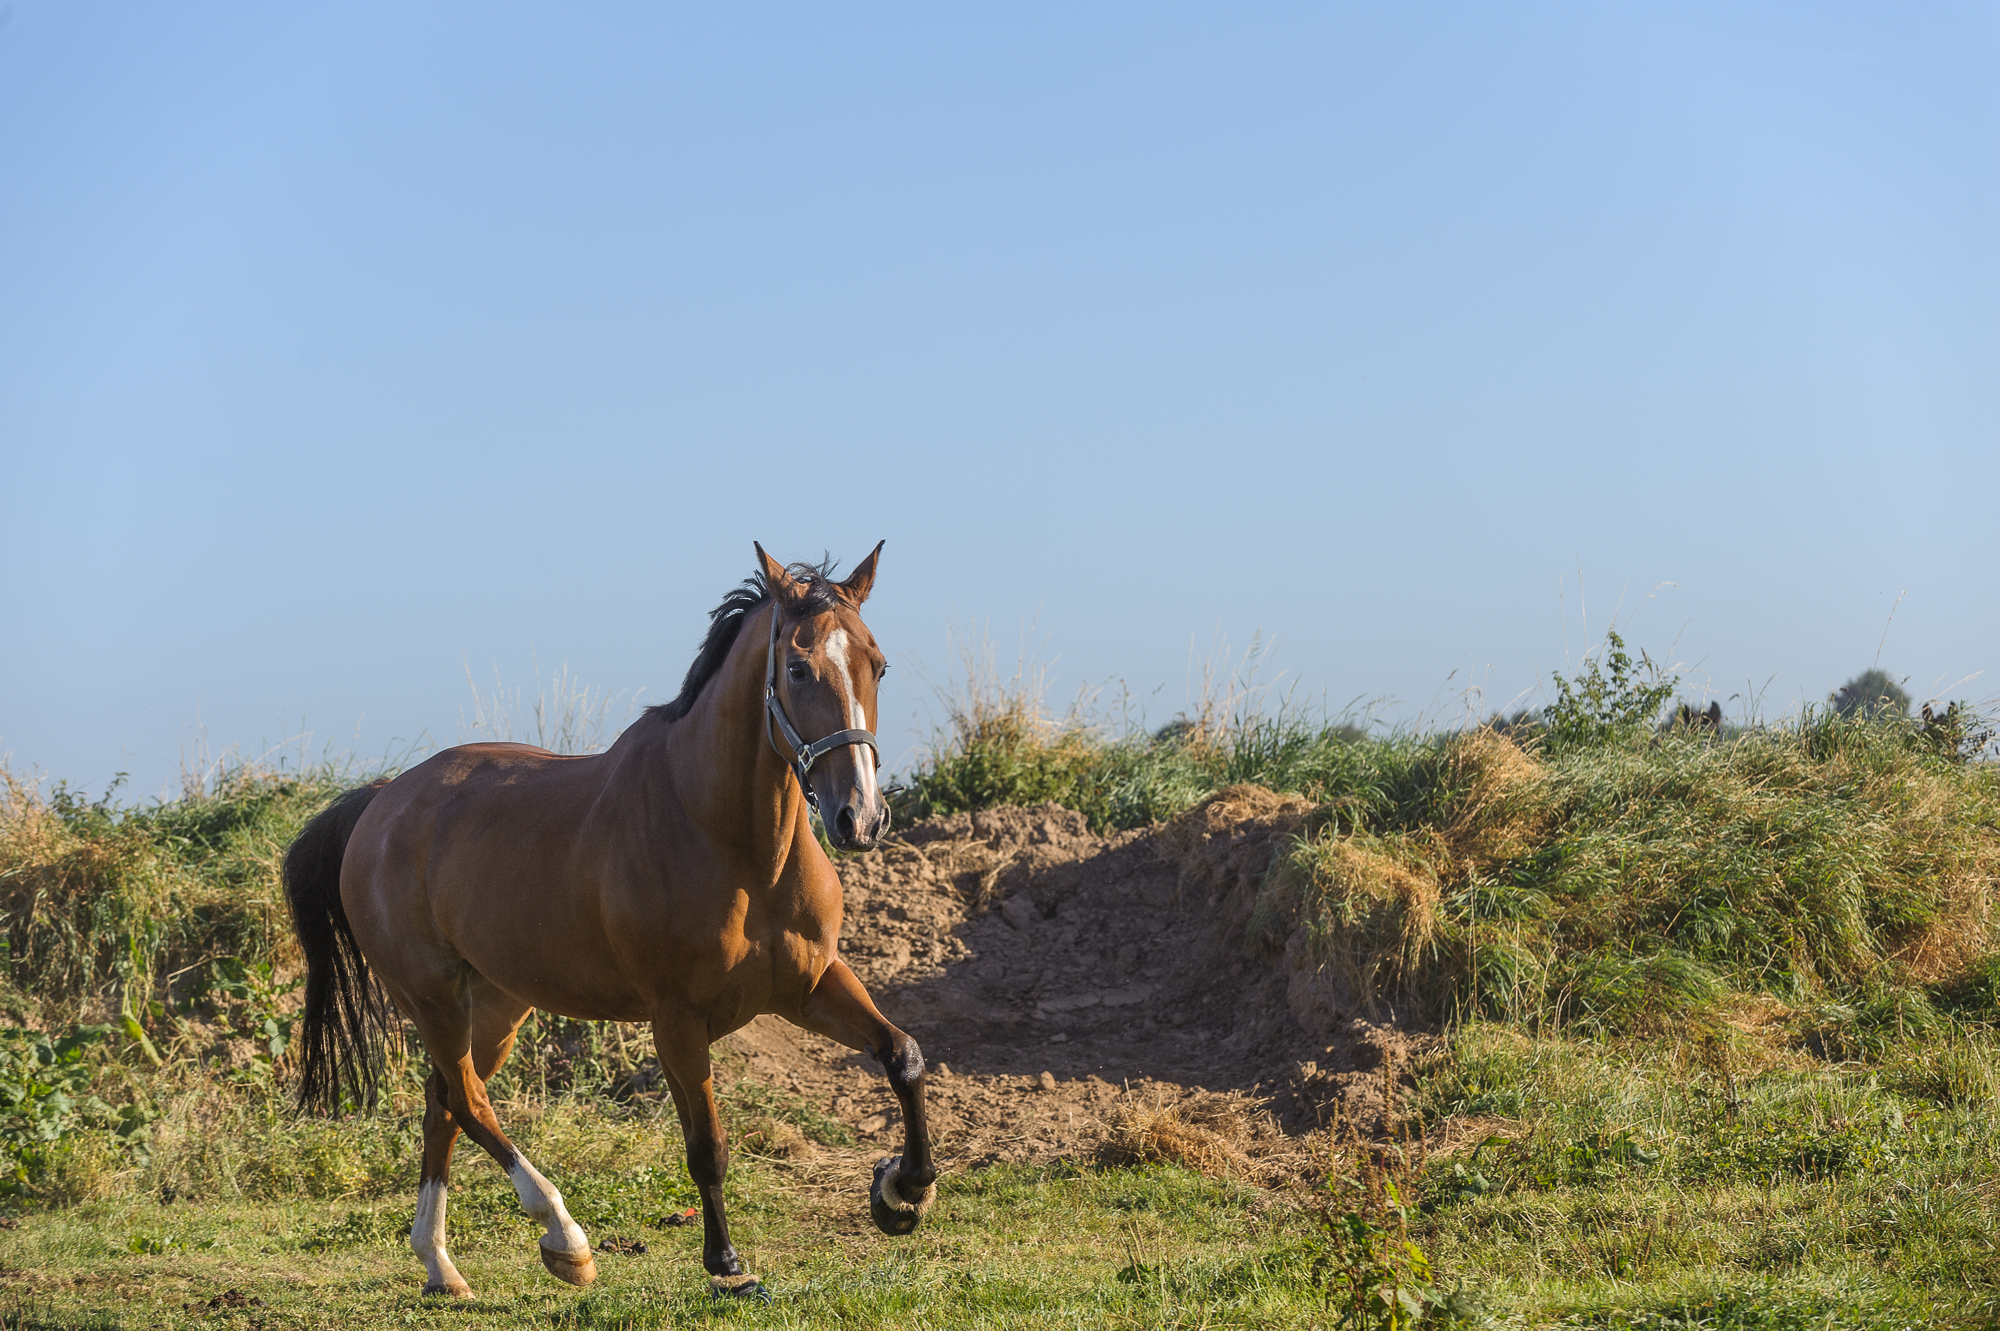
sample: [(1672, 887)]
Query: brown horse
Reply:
[(674, 878)]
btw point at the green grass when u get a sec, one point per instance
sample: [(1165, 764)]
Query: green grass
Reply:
[(1005, 1247), (1627, 1176), (1633, 1198)]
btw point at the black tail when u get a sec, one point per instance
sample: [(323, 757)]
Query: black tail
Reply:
[(345, 1014)]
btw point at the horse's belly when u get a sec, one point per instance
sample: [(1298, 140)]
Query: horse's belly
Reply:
[(556, 960)]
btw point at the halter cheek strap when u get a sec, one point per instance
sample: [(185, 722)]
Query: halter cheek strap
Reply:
[(803, 755)]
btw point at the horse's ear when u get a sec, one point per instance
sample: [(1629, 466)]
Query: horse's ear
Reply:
[(862, 581), (781, 583)]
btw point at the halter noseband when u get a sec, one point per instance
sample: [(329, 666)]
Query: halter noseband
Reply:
[(804, 755)]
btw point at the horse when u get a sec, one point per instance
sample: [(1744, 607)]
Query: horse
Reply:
[(674, 878), (1707, 722)]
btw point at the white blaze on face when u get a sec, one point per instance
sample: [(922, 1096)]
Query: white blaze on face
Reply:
[(850, 701), (851, 708)]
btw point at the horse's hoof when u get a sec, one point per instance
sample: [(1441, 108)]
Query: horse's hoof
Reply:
[(570, 1270), (887, 1205), (456, 1289), (738, 1287)]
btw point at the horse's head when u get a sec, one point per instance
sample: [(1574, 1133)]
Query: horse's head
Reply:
[(825, 670)]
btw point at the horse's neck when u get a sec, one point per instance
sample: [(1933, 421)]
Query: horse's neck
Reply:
[(725, 773)]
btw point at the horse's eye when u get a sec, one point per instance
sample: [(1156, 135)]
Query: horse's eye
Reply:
[(799, 673)]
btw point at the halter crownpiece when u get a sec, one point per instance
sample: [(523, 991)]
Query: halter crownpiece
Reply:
[(804, 755)]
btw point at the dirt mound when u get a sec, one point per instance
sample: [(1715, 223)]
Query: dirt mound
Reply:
[(1076, 993)]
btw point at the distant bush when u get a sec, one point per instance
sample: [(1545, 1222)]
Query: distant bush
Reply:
[(1956, 731), (1870, 693)]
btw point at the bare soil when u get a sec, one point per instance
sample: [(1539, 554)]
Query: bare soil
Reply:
[(1065, 985)]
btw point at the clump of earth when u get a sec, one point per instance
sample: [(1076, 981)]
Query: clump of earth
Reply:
[(1065, 986)]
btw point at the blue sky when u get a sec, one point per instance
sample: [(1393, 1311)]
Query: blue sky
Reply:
[(345, 348)]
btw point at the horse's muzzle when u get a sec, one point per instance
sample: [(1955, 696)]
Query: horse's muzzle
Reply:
[(858, 825)]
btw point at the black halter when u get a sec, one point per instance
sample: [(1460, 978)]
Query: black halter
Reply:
[(804, 755)]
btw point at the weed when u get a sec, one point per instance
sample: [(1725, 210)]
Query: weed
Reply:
[(1368, 1268), (262, 1014)]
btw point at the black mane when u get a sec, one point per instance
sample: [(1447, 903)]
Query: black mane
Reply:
[(725, 622)]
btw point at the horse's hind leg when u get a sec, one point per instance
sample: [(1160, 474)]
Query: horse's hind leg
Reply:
[(427, 1233), (467, 1044), (489, 1038)]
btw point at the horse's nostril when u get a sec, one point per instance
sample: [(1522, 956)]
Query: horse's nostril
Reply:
[(846, 823)]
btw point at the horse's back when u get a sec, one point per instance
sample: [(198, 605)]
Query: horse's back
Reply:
[(479, 801)]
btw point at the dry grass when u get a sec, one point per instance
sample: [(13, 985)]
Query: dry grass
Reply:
[(1362, 912), (1499, 807), (565, 715), (1212, 1135), (1462, 1134), (774, 1138), (1225, 844)]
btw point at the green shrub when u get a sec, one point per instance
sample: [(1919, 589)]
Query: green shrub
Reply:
[(47, 1101), (1609, 699)]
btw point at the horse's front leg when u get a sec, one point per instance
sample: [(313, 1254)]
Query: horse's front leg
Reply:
[(683, 1049), (905, 1185)]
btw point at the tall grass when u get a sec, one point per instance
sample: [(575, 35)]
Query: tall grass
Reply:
[(1835, 864), (1001, 744), (106, 908), (564, 715)]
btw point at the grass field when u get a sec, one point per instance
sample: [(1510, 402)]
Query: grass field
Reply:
[(1719, 1052), (1627, 1196)]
